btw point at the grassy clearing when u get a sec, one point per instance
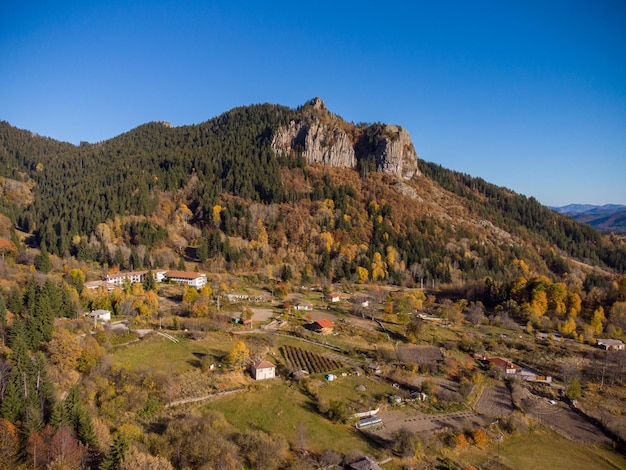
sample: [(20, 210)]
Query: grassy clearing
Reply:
[(277, 408), (160, 354), (345, 389), (542, 449)]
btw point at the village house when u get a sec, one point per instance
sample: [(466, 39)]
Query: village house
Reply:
[(507, 366), (333, 297), (524, 373), (99, 315), (323, 326), (263, 370)]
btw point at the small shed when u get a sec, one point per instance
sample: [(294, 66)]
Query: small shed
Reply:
[(263, 370), (100, 315), (365, 463), (367, 422)]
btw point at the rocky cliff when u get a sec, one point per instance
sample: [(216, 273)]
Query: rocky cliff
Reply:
[(323, 137)]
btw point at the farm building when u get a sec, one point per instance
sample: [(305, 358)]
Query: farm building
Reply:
[(263, 370), (367, 422), (611, 344), (508, 366), (99, 315), (323, 326)]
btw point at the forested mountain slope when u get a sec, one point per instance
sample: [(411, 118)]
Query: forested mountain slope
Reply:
[(220, 192)]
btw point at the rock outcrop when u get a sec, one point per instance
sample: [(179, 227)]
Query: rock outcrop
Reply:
[(322, 137), (318, 143)]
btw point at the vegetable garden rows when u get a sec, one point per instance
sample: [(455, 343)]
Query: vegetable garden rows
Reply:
[(301, 359)]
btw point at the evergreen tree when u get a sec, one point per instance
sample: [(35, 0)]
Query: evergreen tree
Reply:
[(68, 308), (12, 403), (118, 258), (76, 416), (149, 283), (116, 453), (135, 261), (42, 262), (3, 310), (147, 263), (16, 301), (42, 385)]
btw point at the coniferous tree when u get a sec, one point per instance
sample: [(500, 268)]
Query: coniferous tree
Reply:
[(3, 310), (42, 385), (118, 258), (16, 301), (149, 284), (116, 453), (77, 417), (42, 262), (12, 403), (134, 260)]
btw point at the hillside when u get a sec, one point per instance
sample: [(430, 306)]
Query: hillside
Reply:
[(299, 192), (320, 256)]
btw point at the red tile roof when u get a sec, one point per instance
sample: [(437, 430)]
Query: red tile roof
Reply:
[(264, 365), (325, 323)]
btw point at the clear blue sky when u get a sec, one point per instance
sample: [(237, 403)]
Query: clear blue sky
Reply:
[(530, 95)]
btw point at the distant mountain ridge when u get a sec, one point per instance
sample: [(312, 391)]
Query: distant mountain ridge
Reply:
[(607, 218)]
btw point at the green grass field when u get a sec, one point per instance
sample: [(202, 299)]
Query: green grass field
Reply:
[(160, 354), (277, 408)]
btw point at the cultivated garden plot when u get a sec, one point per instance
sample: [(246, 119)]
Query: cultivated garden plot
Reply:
[(495, 401), (301, 359), (423, 356)]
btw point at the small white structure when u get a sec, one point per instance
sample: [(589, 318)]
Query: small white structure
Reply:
[(263, 370), (611, 344), (109, 286), (367, 422), (100, 315), (236, 296), (304, 306)]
